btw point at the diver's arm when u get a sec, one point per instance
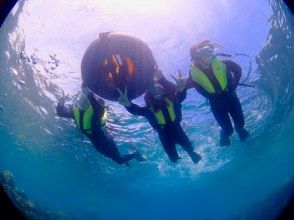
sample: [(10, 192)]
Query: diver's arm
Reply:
[(98, 114), (130, 107), (168, 86), (190, 83), (97, 106), (181, 96), (170, 90), (137, 110), (144, 111), (63, 110), (235, 71)]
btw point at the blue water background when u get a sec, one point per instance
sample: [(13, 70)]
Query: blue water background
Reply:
[(42, 44)]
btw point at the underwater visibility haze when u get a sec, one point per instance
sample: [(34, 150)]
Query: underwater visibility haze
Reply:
[(41, 48)]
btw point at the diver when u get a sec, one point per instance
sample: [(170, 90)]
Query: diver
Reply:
[(90, 117), (217, 81), (163, 111)]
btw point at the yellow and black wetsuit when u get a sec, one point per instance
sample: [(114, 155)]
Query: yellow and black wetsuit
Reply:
[(218, 85), (90, 123), (166, 120)]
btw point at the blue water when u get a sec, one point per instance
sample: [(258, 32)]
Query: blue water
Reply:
[(42, 44)]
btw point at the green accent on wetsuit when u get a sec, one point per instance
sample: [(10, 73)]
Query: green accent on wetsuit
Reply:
[(219, 71), (83, 119), (159, 114)]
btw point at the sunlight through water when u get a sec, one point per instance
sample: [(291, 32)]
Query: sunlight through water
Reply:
[(42, 44)]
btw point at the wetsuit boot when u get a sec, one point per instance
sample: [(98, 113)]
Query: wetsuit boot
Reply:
[(195, 157), (243, 133), (225, 139), (138, 156)]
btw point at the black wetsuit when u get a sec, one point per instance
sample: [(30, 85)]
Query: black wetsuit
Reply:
[(224, 103), (99, 137), (171, 133)]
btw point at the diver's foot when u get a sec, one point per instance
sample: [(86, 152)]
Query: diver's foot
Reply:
[(243, 134), (140, 157), (128, 164), (225, 140), (195, 157), (174, 160)]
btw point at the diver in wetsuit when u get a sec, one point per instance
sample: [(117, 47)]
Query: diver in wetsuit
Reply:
[(163, 111), (90, 117), (217, 81)]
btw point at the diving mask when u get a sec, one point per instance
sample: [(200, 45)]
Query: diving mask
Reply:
[(203, 52), (157, 91)]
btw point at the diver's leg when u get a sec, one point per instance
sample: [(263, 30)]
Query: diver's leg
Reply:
[(183, 140), (236, 112), (106, 146), (221, 115), (169, 146)]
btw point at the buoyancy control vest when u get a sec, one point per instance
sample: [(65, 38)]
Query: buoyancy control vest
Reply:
[(83, 119), (160, 116), (211, 86)]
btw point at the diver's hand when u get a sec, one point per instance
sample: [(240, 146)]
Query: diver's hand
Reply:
[(85, 90), (180, 81), (158, 74), (123, 98), (63, 99)]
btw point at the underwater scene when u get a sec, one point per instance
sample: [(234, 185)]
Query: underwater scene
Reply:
[(52, 170)]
